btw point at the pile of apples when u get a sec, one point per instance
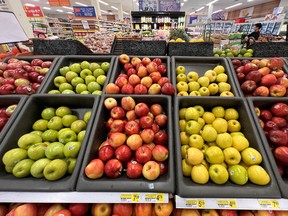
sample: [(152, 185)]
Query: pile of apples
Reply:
[(144, 76), (22, 77), (51, 149), (81, 78), (213, 82), (5, 114), (136, 142), (263, 77), (213, 147), (274, 123)]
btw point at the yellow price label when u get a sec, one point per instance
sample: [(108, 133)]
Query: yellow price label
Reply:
[(159, 197), (129, 197), (125, 196), (274, 204), (195, 203), (201, 204), (135, 198), (227, 204)]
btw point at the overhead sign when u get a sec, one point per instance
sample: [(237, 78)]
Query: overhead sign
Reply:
[(34, 11), (169, 5), (57, 3), (247, 12), (84, 11)]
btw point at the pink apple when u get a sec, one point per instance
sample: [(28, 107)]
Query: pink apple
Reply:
[(134, 141), (121, 81), (152, 67), (155, 76), (112, 88), (127, 89), (140, 89), (143, 154), (161, 120), (146, 122)]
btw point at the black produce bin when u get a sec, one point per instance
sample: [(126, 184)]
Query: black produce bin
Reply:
[(164, 183), (118, 67), (68, 60), (266, 103), (52, 58), (185, 187), (190, 49), (270, 49), (201, 65), (152, 48), (6, 101), (241, 94), (31, 112)]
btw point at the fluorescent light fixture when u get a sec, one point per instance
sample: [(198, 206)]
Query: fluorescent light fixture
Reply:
[(69, 12), (102, 2), (232, 6), (185, 0), (211, 2), (104, 11), (250, 0), (59, 10), (31, 5), (125, 13), (114, 7), (182, 4), (46, 8), (78, 3), (217, 11), (192, 13), (200, 9), (70, 8), (137, 3)]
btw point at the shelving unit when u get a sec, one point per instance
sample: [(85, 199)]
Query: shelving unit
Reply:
[(60, 28)]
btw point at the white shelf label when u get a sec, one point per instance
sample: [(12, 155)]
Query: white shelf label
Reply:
[(227, 204), (269, 204)]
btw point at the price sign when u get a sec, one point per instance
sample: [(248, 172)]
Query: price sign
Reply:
[(227, 204), (271, 204), (85, 24), (154, 198), (195, 203), (129, 198)]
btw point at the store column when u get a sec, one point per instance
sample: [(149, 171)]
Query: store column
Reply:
[(17, 8), (120, 12), (210, 11), (96, 5)]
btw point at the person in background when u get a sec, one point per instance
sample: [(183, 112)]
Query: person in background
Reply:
[(251, 38)]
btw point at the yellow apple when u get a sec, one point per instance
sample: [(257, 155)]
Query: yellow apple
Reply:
[(182, 86), (224, 87), (192, 76), (204, 148), (232, 156), (180, 70), (182, 125), (182, 112), (204, 91), (195, 140), (231, 114), (239, 142), (195, 93), (224, 140), (213, 88), (186, 168), (222, 77), (194, 156), (203, 81), (214, 155), (220, 125), (209, 134), (234, 126), (200, 109), (193, 127), (238, 174), (226, 94), (251, 156), (182, 93), (191, 114), (193, 86), (184, 138), (208, 117), (258, 175), (201, 122), (219, 69), (199, 174), (218, 111), (218, 174), (183, 150), (211, 74), (237, 134), (181, 77)]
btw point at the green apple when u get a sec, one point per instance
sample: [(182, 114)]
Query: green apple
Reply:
[(67, 120), (8, 169), (218, 174), (231, 114), (76, 80), (101, 80), (204, 91), (39, 133), (81, 87), (203, 81), (193, 86), (231, 156), (195, 140), (224, 140), (186, 168), (78, 125), (81, 135), (212, 75), (222, 77), (59, 80), (200, 110), (223, 87), (67, 136), (87, 116), (98, 72), (219, 112), (54, 151), (192, 127), (65, 86), (181, 77), (37, 151), (48, 113), (238, 174), (70, 75), (184, 138), (93, 86), (194, 156), (62, 111), (55, 123), (71, 163), (209, 134), (68, 91), (180, 69), (26, 140), (182, 112), (54, 91), (239, 142), (208, 117), (84, 73), (71, 149), (85, 65), (182, 86), (199, 174), (234, 126), (38, 167), (40, 125), (62, 130), (184, 150), (192, 76), (13, 156), (76, 67), (251, 156), (191, 114), (213, 88), (214, 155), (55, 170), (22, 168), (94, 66), (220, 125), (105, 66), (195, 93), (64, 70), (182, 125), (89, 78), (85, 92)]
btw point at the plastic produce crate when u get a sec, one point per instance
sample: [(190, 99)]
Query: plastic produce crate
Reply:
[(187, 188), (190, 49), (266, 103), (201, 65), (68, 60), (6, 101), (54, 60), (164, 183), (154, 48), (31, 112)]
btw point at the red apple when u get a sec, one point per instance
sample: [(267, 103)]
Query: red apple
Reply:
[(253, 75), (36, 62), (26, 210), (139, 65), (248, 86), (146, 61), (240, 69), (78, 209), (112, 88), (123, 209), (283, 81), (117, 112), (155, 76), (127, 89), (154, 89), (117, 126), (135, 61), (134, 169), (147, 135), (127, 66), (123, 75), (123, 153), (143, 154), (25, 89), (276, 63), (3, 66), (278, 73), (117, 139), (147, 81), (163, 167), (141, 109), (123, 58), (128, 103), (106, 153), (3, 112), (7, 89), (27, 68), (152, 67), (249, 67), (285, 130), (35, 86), (236, 63), (121, 81), (158, 61), (229, 213), (113, 168), (168, 89), (9, 80), (142, 71), (265, 115), (281, 154), (163, 80), (245, 61), (146, 122), (270, 125), (262, 91), (134, 80), (240, 77), (281, 122), (42, 208), (132, 127), (278, 137), (161, 120), (3, 122), (140, 89), (277, 91), (279, 109), (150, 145), (156, 109), (162, 69), (131, 115), (95, 169), (160, 153), (151, 115), (161, 138), (268, 80), (155, 128), (131, 71)]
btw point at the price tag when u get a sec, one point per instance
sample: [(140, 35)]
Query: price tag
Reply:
[(130, 198), (229, 204), (270, 204), (154, 198), (195, 203)]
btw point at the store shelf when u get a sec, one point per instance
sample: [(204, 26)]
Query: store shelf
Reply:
[(240, 204)]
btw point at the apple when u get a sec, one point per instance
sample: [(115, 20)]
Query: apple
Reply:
[(113, 168), (278, 73), (152, 67), (142, 71), (123, 58), (277, 91), (133, 80), (79, 209), (163, 80), (280, 121), (264, 71), (275, 63), (278, 137), (78, 125), (55, 170), (105, 66), (106, 153), (27, 209), (160, 153), (250, 67), (97, 72), (101, 209), (71, 149), (141, 109), (143, 154), (154, 89), (156, 109), (145, 61), (127, 66), (54, 151), (117, 112), (253, 75), (132, 127), (134, 141), (127, 89), (123, 153), (283, 81), (117, 126), (162, 69), (22, 168), (140, 89), (128, 103), (112, 88), (95, 169), (161, 120), (134, 169), (37, 151), (117, 139), (168, 89), (279, 109), (123, 209), (265, 115), (160, 138), (151, 170), (146, 122), (270, 125), (147, 81), (248, 86), (131, 72), (163, 209), (155, 76), (53, 209), (110, 103), (135, 61), (268, 80), (147, 135), (143, 209), (121, 81), (262, 91)]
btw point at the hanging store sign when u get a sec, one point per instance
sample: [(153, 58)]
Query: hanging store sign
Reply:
[(84, 11), (34, 11), (246, 12), (169, 5), (57, 3)]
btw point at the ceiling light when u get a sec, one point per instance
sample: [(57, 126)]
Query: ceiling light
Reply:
[(217, 11), (31, 5), (80, 3), (192, 13), (102, 2), (211, 2), (137, 3), (46, 8), (185, 0), (250, 0), (200, 9), (104, 11), (70, 12), (232, 6), (114, 7), (182, 4), (125, 13), (70, 8), (59, 10)]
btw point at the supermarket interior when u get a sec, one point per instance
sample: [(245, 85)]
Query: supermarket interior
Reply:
[(144, 108)]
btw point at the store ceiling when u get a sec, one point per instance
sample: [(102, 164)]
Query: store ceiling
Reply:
[(131, 5)]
